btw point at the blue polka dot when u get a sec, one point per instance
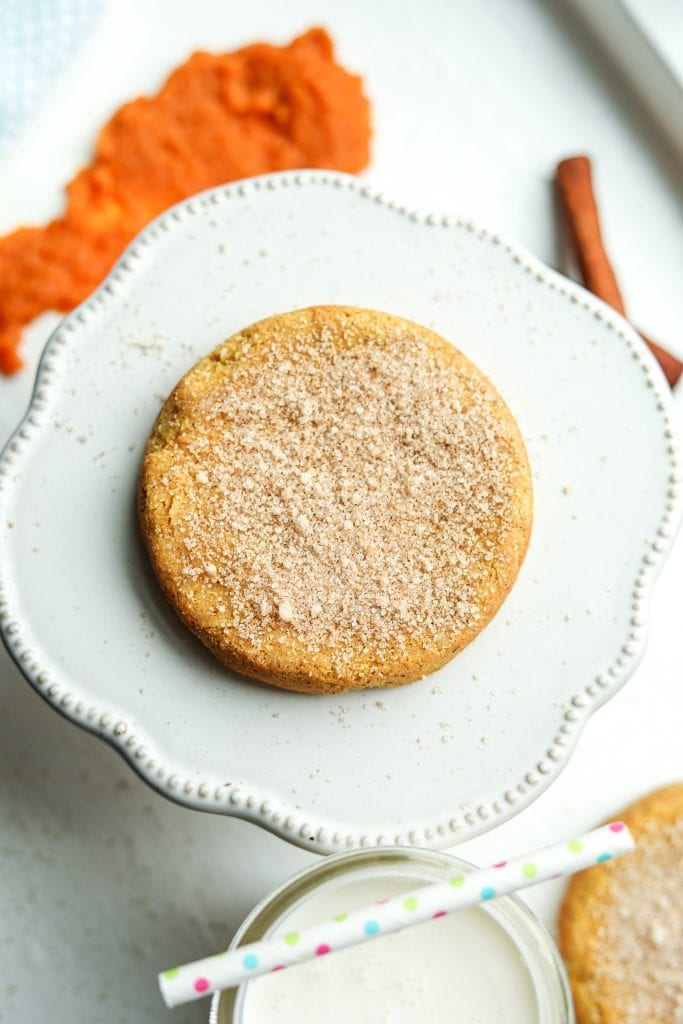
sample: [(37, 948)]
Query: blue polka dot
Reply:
[(250, 961), (371, 927), (488, 892), (603, 857)]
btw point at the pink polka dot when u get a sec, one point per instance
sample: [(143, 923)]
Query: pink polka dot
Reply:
[(618, 826), (201, 984), (439, 913), (322, 949), (278, 967), (500, 864)]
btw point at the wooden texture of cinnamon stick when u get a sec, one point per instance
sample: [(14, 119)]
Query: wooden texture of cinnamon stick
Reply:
[(575, 187)]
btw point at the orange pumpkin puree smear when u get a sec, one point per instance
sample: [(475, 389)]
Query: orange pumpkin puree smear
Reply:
[(217, 118)]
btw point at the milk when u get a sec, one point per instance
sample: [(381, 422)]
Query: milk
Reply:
[(463, 968)]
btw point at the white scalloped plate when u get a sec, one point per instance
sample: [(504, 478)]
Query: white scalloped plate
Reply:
[(431, 763)]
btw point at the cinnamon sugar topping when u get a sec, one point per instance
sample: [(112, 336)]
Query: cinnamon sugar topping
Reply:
[(351, 493), (642, 935)]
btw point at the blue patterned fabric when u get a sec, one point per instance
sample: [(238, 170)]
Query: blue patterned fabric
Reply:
[(37, 40)]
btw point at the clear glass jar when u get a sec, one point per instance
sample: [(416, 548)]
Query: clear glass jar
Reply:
[(414, 867)]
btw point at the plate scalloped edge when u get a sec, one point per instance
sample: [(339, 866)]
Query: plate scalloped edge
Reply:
[(278, 817)]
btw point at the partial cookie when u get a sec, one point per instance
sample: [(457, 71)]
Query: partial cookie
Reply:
[(621, 924), (335, 498)]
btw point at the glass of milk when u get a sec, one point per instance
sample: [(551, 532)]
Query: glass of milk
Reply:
[(492, 964)]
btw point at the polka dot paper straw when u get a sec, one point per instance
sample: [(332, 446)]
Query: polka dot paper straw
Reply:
[(225, 970)]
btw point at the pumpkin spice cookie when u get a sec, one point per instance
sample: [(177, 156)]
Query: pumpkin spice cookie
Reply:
[(335, 498), (620, 924)]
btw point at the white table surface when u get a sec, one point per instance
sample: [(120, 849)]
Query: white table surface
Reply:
[(102, 882)]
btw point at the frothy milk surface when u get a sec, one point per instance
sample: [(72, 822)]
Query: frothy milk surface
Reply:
[(462, 968)]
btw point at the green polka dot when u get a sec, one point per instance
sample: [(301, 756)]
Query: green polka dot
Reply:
[(575, 846), (410, 903), (172, 972), (458, 880), (529, 870), (340, 917), (291, 938)]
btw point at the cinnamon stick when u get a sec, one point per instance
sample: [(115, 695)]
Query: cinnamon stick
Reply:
[(575, 187), (673, 367)]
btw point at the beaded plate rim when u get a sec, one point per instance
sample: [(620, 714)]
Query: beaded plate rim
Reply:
[(279, 817)]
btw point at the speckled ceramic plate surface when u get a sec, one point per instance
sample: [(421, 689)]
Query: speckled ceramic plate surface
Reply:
[(430, 763)]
